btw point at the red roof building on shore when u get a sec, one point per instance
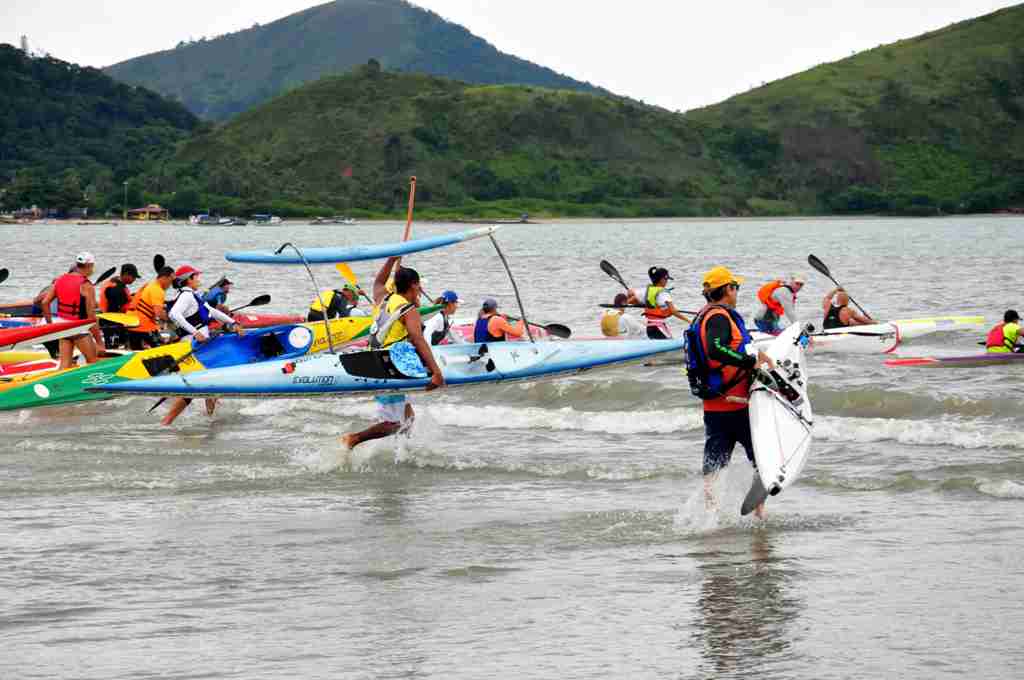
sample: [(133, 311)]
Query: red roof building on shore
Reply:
[(151, 212)]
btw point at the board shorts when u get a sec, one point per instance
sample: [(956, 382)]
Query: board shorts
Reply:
[(390, 408), (767, 326), (406, 359), (658, 331), (722, 431)]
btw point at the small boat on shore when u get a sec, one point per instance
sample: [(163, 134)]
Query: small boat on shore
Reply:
[(266, 219), (334, 220)]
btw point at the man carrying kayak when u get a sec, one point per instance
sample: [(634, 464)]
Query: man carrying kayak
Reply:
[(493, 327), (658, 305), (1006, 337), (775, 300), (76, 299), (725, 367), (439, 328), (839, 315), (340, 304), (191, 315), (148, 305), (615, 323), (398, 327)]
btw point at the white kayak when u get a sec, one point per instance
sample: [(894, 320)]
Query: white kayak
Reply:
[(780, 418), (880, 338)]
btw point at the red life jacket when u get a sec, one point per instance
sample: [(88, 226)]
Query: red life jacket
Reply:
[(70, 302), (997, 338), (765, 293)]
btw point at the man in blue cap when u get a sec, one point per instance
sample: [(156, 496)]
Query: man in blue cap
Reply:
[(438, 329)]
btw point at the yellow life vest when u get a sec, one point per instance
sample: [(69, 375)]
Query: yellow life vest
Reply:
[(388, 326), (327, 296)]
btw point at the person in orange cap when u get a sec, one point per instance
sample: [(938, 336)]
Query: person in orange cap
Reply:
[(720, 369)]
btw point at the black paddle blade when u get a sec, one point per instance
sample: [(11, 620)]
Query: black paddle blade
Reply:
[(4, 274), (260, 301), (159, 402), (558, 330), (819, 265), (158, 263), (106, 275), (609, 269)]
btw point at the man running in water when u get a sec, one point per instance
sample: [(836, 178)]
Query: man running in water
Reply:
[(398, 327), (839, 315)]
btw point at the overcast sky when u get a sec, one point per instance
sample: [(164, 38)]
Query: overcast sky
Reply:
[(679, 55)]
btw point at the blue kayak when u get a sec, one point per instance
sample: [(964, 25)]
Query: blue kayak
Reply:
[(357, 253), (394, 370)]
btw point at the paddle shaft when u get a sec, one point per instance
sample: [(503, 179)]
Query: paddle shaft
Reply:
[(827, 273)]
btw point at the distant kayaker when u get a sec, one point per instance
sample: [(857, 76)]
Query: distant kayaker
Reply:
[(839, 314), (725, 367), (148, 305), (493, 327), (1005, 337), (616, 323), (658, 305), (76, 299), (191, 315), (217, 296), (398, 327), (777, 299), (340, 303), (438, 328)]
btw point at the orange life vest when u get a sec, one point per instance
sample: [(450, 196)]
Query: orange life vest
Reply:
[(651, 309), (741, 389), (765, 293)]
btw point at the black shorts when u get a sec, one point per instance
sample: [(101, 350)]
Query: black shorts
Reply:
[(140, 341), (722, 431), (655, 333)]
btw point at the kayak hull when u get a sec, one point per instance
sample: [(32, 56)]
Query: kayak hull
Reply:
[(462, 365), (11, 338), (964, 361)]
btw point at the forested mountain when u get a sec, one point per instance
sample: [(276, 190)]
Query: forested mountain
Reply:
[(349, 143), (933, 123), (69, 135), (220, 77)]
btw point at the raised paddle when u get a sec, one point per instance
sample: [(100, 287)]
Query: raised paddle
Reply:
[(609, 269), (105, 275), (820, 266), (4, 274), (256, 302), (350, 276), (158, 263)]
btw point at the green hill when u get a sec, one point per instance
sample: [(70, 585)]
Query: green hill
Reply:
[(221, 77), (932, 123), (350, 142), (69, 135)]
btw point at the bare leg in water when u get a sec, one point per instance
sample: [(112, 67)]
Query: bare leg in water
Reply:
[(177, 406), (379, 430), (711, 501)]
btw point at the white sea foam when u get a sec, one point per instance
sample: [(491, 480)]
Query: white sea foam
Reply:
[(1002, 489)]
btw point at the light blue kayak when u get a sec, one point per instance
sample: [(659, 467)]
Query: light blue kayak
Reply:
[(399, 370), (358, 253)]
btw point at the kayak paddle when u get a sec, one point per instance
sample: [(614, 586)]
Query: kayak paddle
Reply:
[(609, 269), (611, 306), (256, 302), (820, 266), (158, 263), (556, 329), (350, 276), (4, 274), (105, 275)]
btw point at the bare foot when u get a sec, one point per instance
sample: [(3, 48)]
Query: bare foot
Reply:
[(760, 512), (349, 441)]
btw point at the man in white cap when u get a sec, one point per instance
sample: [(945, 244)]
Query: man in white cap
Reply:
[(76, 299), (775, 300)]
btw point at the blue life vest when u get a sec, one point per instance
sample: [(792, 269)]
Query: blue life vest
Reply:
[(200, 318), (482, 334), (707, 382)]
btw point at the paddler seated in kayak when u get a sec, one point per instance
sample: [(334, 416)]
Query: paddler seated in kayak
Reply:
[(1006, 337), (148, 305), (839, 314), (340, 304), (658, 305), (438, 328), (397, 327), (616, 323), (721, 376), (115, 297), (493, 327), (777, 299), (217, 296), (191, 315), (76, 299)]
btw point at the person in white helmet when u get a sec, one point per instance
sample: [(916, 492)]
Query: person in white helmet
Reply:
[(775, 300), (76, 299)]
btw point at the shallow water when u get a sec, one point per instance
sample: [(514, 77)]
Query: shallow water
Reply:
[(554, 530)]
